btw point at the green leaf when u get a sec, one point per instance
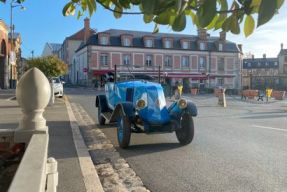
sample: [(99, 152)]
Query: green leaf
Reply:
[(125, 3), (148, 6), (91, 7), (206, 13), (279, 3), (226, 24), (266, 11), (179, 22), (249, 25), (118, 12), (213, 22), (148, 18), (163, 18), (234, 25), (69, 9)]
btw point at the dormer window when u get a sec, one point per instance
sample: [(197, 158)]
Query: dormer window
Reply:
[(104, 40), (127, 42), (202, 46), (148, 42), (220, 47), (185, 45), (167, 44)]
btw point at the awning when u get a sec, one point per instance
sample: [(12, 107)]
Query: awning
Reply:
[(101, 72)]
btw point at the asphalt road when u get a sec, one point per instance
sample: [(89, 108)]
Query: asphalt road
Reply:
[(240, 148)]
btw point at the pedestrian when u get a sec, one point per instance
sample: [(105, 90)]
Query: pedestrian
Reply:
[(179, 88)]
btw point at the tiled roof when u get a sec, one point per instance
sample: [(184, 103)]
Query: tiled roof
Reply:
[(115, 40), (80, 34), (260, 63)]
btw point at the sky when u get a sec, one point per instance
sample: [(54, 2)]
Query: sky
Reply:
[(43, 22)]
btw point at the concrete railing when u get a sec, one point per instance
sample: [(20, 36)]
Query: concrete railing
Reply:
[(36, 173)]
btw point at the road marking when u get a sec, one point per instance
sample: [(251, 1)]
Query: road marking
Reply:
[(272, 128)]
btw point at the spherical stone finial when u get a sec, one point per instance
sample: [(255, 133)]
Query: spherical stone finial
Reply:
[(33, 94)]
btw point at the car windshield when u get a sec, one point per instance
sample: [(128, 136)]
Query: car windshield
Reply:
[(56, 80)]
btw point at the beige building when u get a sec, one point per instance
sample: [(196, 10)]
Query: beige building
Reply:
[(4, 67), (72, 43), (15, 67), (200, 60)]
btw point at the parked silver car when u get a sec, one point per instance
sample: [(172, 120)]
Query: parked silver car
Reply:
[(58, 87)]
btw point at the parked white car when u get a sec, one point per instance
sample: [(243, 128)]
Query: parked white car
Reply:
[(58, 87)]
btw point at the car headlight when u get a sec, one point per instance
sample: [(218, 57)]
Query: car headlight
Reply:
[(141, 104), (182, 103)]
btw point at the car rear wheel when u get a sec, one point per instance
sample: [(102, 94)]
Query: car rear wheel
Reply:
[(185, 132), (101, 119), (123, 131)]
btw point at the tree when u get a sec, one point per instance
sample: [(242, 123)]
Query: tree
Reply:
[(51, 66), (210, 14)]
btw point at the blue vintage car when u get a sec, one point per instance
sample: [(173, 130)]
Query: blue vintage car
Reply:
[(139, 106)]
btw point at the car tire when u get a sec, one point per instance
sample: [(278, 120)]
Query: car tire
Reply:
[(185, 132), (123, 131), (101, 119)]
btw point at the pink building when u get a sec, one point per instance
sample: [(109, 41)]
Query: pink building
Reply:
[(202, 60)]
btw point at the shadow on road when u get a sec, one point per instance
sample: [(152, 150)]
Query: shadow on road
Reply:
[(142, 149)]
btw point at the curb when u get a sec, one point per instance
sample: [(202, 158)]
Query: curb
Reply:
[(90, 176)]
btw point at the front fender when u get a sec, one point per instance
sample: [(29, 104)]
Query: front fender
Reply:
[(176, 112), (126, 108)]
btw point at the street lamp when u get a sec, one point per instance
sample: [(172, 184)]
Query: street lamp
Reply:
[(12, 57)]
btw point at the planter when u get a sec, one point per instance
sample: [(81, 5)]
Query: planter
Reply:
[(194, 91), (249, 93), (278, 95)]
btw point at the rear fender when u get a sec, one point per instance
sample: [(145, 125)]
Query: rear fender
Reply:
[(126, 108), (176, 112)]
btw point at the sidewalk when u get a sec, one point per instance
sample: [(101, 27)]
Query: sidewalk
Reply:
[(61, 143)]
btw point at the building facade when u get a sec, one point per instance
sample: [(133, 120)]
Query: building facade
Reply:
[(72, 43), (201, 60), (262, 73), (15, 67), (4, 67)]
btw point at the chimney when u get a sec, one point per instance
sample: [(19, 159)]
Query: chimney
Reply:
[(281, 46), (202, 34), (86, 29), (240, 47), (264, 55), (222, 35)]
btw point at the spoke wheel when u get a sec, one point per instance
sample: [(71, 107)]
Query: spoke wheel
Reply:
[(185, 132)]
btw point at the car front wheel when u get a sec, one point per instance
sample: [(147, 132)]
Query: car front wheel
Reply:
[(123, 131), (185, 132)]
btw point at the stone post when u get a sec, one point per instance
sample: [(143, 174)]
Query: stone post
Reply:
[(52, 97), (221, 97), (33, 94)]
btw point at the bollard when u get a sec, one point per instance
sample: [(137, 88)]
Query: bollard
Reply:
[(221, 98), (52, 97), (33, 94)]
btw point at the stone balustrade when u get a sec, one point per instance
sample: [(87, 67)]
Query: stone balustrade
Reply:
[(36, 173)]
